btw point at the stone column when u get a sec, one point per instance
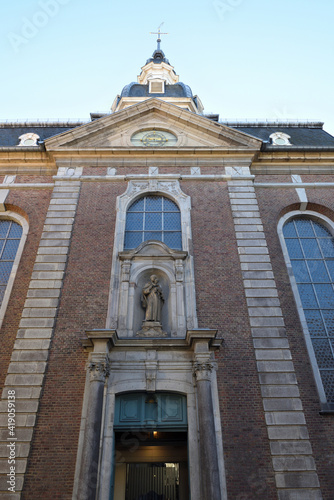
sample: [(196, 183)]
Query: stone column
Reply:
[(210, 482), (98, 371)]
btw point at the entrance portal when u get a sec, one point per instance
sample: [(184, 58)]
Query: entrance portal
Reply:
[(151, 447)]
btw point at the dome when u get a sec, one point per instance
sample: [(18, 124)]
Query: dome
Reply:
[(158, 57), (134, 89)]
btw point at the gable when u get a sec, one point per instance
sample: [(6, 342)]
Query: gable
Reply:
[(116, 130)]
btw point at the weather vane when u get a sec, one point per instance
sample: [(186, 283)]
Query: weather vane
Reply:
[(159, 34)]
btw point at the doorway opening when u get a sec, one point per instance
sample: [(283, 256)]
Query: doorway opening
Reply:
[(151, 465), (151, 447), (152, 481)]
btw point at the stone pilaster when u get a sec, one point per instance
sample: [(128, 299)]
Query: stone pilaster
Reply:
[(292, 458), (31, 349), (210, 483)]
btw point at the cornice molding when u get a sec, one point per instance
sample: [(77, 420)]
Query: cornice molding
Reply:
[(188, 343)]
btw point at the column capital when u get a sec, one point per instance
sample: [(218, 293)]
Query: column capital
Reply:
[(99, 369), (202, 370)]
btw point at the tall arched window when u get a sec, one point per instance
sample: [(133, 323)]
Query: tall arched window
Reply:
[(10, 236), (153, 217), (310, 248)]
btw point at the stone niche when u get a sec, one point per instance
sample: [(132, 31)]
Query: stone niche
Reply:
[(152, 257)]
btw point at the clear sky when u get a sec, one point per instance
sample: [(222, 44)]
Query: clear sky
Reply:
[(246, 59)]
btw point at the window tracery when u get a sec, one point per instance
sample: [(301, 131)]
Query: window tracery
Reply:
[(153, 217), (10, 237), (310, 248)]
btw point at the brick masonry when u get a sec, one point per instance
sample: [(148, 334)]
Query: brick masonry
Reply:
[(83, 306), (292, 456), (239, 285), (221, 304), (29, 358), (273, 203)]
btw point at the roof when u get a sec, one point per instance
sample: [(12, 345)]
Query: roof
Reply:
[(158, 57), (302, 134), (134, 89), (10, 132)]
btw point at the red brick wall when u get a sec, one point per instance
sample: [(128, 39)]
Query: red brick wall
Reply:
[(33, 205), (273, 203), (221, 304), (83, 306)]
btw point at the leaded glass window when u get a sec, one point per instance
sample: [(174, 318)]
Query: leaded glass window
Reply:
[(10, 236), (153, 217), (311, 250)]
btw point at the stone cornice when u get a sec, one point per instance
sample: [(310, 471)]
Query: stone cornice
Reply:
[(192, 337), (299, 156)]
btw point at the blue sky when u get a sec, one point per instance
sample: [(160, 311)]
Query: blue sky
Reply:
[(246, 59)]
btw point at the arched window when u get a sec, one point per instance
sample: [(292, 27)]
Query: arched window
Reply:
[(10, 237), (153, 217), (310, 247)]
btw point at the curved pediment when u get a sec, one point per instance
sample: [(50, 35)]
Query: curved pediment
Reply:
[(152, 249)]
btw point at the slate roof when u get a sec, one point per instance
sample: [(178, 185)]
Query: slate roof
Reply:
[(134, 89), (301, 134), (10, 132)]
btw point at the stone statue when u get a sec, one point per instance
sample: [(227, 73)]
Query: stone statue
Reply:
[(152, 300)]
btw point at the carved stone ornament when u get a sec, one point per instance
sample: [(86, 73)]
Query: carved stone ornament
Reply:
[(151, 375), (179, 274), (169, 187), (99, 370), (202, 370), (151, 329), (137, 187), (126, 267)]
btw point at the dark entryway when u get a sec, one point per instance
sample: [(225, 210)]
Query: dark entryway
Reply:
[(152, 481), (151, 447)]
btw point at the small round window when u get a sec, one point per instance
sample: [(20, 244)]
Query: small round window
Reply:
[(29, 139)]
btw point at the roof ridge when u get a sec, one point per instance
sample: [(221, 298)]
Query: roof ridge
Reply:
[(18, 124), (295, 124)]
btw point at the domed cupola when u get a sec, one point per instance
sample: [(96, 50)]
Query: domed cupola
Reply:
[(158, 79)]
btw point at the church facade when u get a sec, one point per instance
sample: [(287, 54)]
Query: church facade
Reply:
[(167, 304)]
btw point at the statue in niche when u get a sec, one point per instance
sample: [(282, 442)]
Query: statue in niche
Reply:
[(152, 299), (152, 302)]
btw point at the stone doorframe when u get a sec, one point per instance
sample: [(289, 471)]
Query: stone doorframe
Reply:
[(183, 366)]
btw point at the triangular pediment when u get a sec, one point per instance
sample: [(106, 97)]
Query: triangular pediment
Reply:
[(115, 130)]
